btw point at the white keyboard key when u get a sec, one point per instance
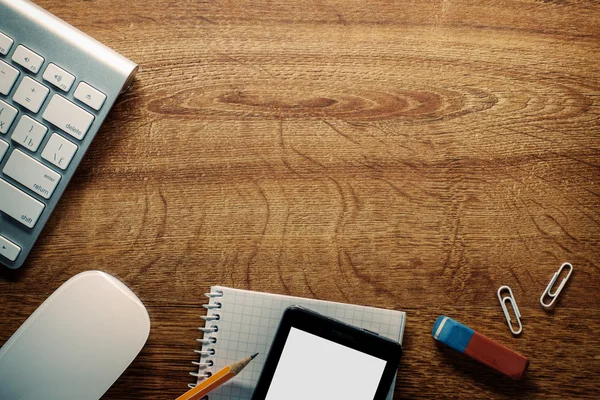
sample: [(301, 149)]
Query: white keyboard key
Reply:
[(27, 59), (20, 206), (3, 148), (8, 249), (90, 96), (7, 116), (5, 44), (8, 77), (31, 174), (59, 151), (68, 117), (58, 77), (29, 133), (31, 94)]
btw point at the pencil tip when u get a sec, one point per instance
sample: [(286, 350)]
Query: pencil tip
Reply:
[(253, 356)]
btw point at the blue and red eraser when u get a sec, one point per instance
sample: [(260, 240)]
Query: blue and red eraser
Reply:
[(479, 347)]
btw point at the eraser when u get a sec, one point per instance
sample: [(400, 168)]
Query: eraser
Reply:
[(483, 349)]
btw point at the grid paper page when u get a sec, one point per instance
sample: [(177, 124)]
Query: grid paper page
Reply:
[(249, 320)]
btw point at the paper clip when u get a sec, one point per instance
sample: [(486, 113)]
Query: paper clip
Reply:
[(510, 299), (548, 290)]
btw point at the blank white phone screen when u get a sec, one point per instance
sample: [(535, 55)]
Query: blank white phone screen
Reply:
[(314, 368)]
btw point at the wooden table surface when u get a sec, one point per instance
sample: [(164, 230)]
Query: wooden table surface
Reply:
[(411, 155)]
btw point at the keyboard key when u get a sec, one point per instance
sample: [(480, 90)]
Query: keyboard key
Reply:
[(31, 94), (90, 96), (8, 77), (18, 205), (29, 133), (27, 59), (68, 117), (5, 44), (31, 174), (58, 77), (7, 116), (3, 148), (59, 151), (8, 249)]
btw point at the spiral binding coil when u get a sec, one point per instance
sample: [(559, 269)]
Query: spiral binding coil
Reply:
[(208, 339)]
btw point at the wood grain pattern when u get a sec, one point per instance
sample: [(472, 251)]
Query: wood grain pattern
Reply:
[(411, 155)]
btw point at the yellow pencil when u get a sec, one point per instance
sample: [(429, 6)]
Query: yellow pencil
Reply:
[(216, 380)]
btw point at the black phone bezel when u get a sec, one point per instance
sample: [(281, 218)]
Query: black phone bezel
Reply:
[(336, 331)]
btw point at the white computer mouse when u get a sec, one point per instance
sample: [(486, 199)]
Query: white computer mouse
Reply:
[(77, 343)]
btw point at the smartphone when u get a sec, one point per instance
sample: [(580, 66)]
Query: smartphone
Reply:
[(319, 358)]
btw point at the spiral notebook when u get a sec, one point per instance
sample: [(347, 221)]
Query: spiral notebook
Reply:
[(241, 322)]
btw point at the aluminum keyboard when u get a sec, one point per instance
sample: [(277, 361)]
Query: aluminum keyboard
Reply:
[(56, 87)]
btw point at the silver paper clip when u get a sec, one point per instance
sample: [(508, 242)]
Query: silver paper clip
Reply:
[(548, 290), (510, 299)]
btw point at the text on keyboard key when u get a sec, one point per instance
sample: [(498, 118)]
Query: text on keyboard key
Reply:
[(3, 148), (7, 116), (31, 174), (59, 151), (27, 59), (8, 77), (68, 117), (19, 205), (31, 94), (29, 133), (5, 44), (58, 77), (8, 249)]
